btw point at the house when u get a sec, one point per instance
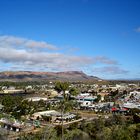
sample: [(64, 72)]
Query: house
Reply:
[(131, 105), (51, 113), (66, 117), (85, 104), (135, 94), (11, 91), (36, 99), (11, 125), (29, 87), (51, 92), (55, 116)]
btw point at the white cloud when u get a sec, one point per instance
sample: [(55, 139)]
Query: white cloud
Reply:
[(110, 70), (15, 52), (105, 60), (24, 42)]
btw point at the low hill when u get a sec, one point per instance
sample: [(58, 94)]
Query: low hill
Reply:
[(35, 76)]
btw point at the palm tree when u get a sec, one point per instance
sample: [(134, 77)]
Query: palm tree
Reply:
[(62, 87), (74, 92)]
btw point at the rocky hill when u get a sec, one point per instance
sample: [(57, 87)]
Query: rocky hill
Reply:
[(35, 76)]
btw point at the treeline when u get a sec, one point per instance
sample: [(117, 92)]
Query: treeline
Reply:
[(26, 83)]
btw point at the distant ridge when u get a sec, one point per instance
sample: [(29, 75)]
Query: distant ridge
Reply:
[(36, 76)]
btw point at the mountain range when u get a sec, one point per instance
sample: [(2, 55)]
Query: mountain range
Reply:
[(36, 76)]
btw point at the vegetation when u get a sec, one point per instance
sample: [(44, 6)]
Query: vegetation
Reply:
[(74, 91), (115, 127), (18, 107)]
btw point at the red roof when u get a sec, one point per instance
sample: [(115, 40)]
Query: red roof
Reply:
[(114, 109)]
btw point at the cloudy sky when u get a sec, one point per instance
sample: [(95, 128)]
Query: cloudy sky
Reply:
[(98, 37)]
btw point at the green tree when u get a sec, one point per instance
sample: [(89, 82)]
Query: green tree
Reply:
[(62, 87), (74, 92), (120, 133), (98, 98), (11, 102)]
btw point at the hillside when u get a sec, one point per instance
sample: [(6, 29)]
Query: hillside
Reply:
[(35, 76)]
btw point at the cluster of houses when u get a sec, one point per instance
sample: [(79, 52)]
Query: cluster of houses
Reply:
[(85, 101), (12, 125), (54, 116), (132, 100)]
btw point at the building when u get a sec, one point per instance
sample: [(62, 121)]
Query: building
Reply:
[(12, 91), (36, 99), (38, 115), (11, 125)]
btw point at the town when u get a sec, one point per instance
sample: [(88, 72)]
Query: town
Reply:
[(29, 109), (69, 70)]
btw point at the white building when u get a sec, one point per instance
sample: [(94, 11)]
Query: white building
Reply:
[(131, 105), (36, 99)]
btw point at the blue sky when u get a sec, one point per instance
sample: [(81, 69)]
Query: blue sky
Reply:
[(98, 37)]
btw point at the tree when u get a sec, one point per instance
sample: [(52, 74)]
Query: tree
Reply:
[(98, 98), (11, 102), (136, 118), (105, 134), (121, 133), (74, 91), (62, 87), (107, 98), (41, 103)]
